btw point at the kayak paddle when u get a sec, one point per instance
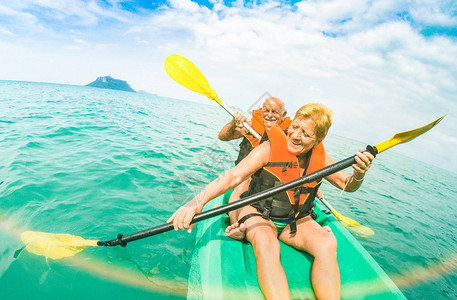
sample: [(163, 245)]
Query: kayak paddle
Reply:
[(348, 222), (184, 72), (63, 245)]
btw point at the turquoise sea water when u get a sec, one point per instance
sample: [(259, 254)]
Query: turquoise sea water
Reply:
[(94, 162)]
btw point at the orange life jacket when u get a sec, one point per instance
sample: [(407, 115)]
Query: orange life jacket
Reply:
[(249, 142), (283, 167)]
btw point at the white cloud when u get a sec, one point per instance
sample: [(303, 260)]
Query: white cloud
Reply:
[(4, 10), (186, 5), (134, 30), (428, 13), (331, 11), (140, 40), (18, 20), (6, 31), (79, 41)]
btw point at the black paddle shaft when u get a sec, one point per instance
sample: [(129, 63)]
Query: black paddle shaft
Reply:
[(124, 239)]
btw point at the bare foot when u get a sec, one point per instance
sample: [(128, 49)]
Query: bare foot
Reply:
[(236, 231)]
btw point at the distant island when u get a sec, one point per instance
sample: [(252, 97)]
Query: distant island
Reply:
[(108, 82)]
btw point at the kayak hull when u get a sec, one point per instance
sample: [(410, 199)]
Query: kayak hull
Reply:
[(223, 268)]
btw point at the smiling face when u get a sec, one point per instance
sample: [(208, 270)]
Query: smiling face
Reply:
[(309, 127), (301, 136), (273, 112)]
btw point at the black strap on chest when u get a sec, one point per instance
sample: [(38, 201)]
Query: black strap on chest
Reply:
[(306, 208), (285, 165)]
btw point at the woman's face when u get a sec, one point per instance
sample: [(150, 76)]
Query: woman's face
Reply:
[(301, 137)]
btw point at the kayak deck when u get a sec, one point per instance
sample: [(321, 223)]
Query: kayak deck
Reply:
[(223, 268)]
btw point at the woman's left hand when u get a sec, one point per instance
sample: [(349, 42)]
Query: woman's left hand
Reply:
[(363, 163)]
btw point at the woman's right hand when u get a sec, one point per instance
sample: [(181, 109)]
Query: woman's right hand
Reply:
[(182, 217)]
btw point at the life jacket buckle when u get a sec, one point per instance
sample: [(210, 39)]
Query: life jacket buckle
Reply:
[(290, 164), (266, 213)]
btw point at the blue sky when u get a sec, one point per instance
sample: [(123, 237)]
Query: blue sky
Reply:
[(381, 66)]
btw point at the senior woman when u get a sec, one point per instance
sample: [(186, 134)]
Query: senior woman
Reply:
[(287, 216)]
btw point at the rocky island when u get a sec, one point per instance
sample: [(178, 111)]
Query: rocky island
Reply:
[(108, 82)]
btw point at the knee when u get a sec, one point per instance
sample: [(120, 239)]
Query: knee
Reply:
[(265, 244), (326, 245)]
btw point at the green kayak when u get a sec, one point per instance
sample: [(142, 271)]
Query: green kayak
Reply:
[(223, 268)]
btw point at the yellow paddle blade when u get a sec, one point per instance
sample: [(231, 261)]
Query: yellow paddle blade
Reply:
[(184, 72), (352, 224), (360, 230), (344, 219), (406, 136), (54, 245)]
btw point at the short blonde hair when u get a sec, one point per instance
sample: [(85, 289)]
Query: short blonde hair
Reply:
[(321, 115)]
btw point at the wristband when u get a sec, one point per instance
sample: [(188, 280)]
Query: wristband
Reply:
[(355, 178), (350, 178)]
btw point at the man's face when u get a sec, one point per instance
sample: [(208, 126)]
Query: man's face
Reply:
[(272, 113)]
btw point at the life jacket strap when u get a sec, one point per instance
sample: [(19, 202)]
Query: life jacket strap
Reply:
[(284, 164), (243, 219), (293, 219), (292, 222)]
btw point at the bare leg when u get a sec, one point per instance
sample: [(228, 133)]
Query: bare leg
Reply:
[(320, 243), (235, 196), (262, 234), (234, 230)]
